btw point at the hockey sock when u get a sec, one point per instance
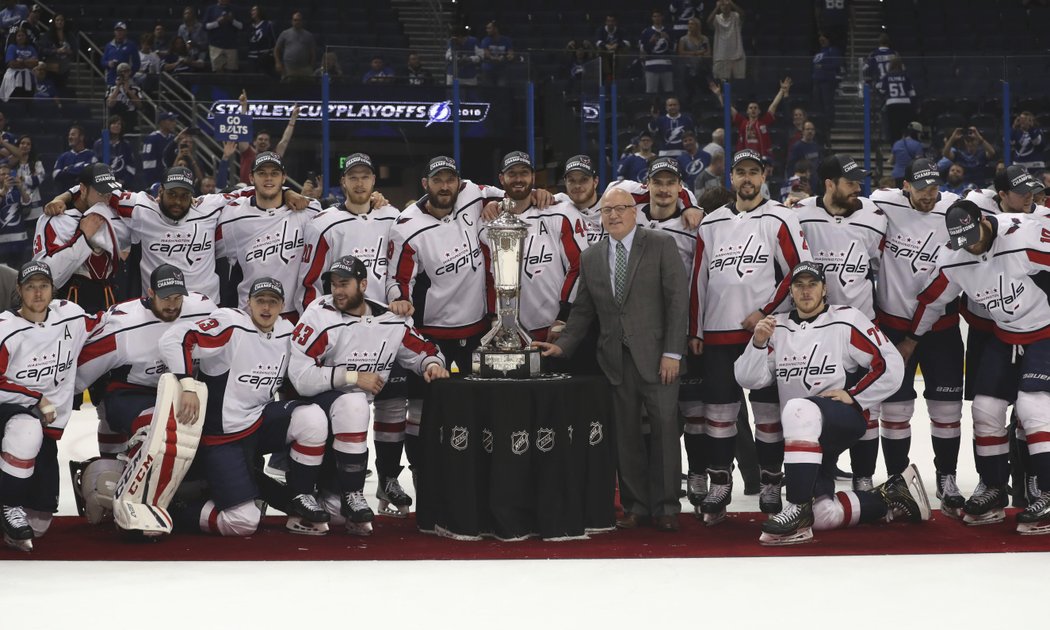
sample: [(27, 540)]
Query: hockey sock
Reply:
[(301, 478), (413, 450), (1040, 464), (896, 434), (872, 507), (946, 454), (803, 453), (863, 456), (695, 451), (721, 432), (769, 436), (770, 455), (388, 458), (186, 517), (720, 452), (350, 470), (946, 432), (800, 480)]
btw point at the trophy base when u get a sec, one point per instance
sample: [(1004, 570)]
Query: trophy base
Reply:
[(522, 364)]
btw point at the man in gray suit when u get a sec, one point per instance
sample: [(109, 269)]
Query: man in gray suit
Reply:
[(634, 283)]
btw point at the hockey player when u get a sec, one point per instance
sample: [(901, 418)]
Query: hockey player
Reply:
[(39, 344), (244, 356), (915, 237), (581, 189), (741, 273), (844, 232), (993, 259), (342, 352), (829, 365)]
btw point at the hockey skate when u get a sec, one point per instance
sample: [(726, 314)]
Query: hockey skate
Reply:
[(863, 484), (307, 517), (393, 500), (713, 507), (791, 526), (696, 489), (769, 498), (905, 497), (17, 532), (1035, 519), (987, 505), (359, 516), (952, 501)]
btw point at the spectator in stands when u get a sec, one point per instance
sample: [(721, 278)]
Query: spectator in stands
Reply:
[(21, 57), (1026, 141), (877, 63), (150, 64), (124, 98), (827, 64), (611, 41), (33, 27), (122, 160), (207, 185), (415, 73), (181, 58), (68, 165), (262, 142), (905, 150), (681, 12), (161, 39), (12, 15), (193, 34), (261, 43), (220, 20), (692, 161), (956, 181), (15, 240), (717, 144), (295, 53), (833, 19), (26, 167), (44, 89), (730, 62), (807, 149), (58, 51), (497, 51), (753, 129), (462, 57), (580, 54), (799, 116), (378, 72), (668, 128), (798, 186), (330, 65), (119, 50), (656, 46), (695, 67), (971, 151), (895, 87), (711, 177), (183, 152), (635, 162), (154, 147)]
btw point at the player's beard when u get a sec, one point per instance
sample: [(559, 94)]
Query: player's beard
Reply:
[(748, 192), (166, 210), (848, 201), (352, 303), (439, 202)]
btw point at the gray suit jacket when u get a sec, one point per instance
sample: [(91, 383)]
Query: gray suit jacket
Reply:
[(653, 317)]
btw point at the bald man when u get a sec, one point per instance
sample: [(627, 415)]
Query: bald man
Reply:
[(633, 282)]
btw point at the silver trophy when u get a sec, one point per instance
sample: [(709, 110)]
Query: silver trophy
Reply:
[(505, 351)]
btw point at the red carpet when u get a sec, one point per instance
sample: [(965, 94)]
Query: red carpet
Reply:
[(71, 538)]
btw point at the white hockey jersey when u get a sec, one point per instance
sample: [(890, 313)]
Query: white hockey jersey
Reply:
[(743, 263), (337, 232), (441, 266), (41, 359), (59, 242), (674, 225), (242, 367), (592, 217), (264, 243), (1000, 281), (974, 313), (327, 343), (848, 247), (913, 242), (838, 349), (124, 344), (550, 264)]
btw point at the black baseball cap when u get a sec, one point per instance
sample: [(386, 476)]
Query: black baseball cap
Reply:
[(811, 267), (178, 177), (922, 173), (267, 285), (442, 163), (34, 268), (515, 158), (662, 164), (168, 280), (1016, 179), (581, 163), (841, 165), (358, 159), (100, 177), (346, 267), (963, 220), (267, 157), (745, 155)]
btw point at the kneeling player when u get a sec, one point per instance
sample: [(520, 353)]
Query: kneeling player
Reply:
[(830, 365), (344, 348), (243, 360)]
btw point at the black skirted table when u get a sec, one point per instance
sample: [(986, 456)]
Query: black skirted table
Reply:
[(514, 459)]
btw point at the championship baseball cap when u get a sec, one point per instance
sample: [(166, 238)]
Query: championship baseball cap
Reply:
[(120, 26), (100, 177), (662, 164), (581, 163), (33, 268), (963, 220), (441, 163), (358, 159), (267, 285), (346, 267), (747, 154), (178, 177), (515, 158), (811, 267), (167, 280), (267, 157), (841, 165), (922, 173), (1016, 179)]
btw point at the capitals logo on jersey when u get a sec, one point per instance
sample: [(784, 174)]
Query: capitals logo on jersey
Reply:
[(742, 259), (379, 361), (264, 376), (921, 252), (280, 243), (51, 366), (467, 254), (1005, 297), (847, 266), (807, 368), (187, 246)]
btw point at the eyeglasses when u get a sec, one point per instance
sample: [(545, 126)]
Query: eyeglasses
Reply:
[(617, 210)]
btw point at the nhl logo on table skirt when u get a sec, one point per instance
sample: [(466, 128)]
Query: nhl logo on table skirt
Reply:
[(486, 440), (519, 442), (545, 440), (596, 433), (459, 438)]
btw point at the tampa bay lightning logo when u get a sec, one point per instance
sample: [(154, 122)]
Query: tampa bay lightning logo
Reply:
[(439, 112)]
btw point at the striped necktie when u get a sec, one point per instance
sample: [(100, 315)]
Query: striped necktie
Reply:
[(620, 276)]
